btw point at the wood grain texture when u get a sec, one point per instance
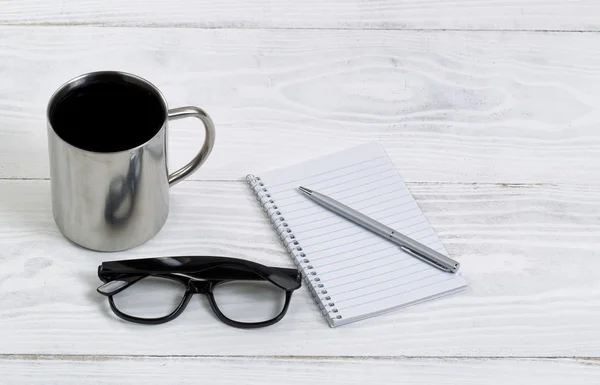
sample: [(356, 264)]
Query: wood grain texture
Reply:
[(175, 370), (580, 15), (529, 253), (457, 107)]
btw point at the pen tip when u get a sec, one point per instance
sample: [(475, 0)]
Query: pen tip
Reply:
[(305, 190)]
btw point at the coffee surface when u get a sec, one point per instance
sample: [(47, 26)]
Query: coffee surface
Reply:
[(108, 116)]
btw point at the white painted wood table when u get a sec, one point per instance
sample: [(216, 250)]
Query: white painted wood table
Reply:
[(489, 109)]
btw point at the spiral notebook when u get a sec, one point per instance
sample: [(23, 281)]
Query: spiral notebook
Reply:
[(352, 273)]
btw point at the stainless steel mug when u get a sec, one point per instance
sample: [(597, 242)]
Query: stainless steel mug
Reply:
[(107, 142)]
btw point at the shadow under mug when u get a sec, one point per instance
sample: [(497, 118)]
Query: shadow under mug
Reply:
[(107, 142)]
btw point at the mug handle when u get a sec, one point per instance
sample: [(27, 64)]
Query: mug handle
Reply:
[(209, 141)]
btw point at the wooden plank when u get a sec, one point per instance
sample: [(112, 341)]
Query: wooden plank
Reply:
[(457, 107), (581, 15), (175, 370), (529, 253)]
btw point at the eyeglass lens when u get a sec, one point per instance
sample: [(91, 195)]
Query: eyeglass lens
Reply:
[(249, 301), (245, 301), (151, 297)]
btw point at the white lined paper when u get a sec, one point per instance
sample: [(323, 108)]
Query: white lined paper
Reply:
[(356, 273)]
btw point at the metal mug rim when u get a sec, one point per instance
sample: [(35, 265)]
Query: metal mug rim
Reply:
[(72, 84)]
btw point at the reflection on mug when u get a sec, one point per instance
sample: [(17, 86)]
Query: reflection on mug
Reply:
[(122, 192)]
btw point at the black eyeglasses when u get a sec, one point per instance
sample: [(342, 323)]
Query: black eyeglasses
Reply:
[(241, 293)]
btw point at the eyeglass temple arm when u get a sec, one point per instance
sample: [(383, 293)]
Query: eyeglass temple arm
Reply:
[(119, 284)]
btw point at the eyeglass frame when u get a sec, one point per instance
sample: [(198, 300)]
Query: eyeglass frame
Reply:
[(199, 275)]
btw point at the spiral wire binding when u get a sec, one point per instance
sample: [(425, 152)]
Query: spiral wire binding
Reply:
[(317, 288)]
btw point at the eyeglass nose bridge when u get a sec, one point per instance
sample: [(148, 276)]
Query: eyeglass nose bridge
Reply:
[(199, 286)]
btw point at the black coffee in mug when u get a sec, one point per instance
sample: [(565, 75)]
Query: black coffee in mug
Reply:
[(108, 115)]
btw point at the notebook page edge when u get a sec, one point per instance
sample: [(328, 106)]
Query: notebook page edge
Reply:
[(377, 305), (315, 161), (388, 310)]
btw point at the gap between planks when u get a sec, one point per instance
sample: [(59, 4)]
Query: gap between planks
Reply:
[(108, 357), (250, 27)]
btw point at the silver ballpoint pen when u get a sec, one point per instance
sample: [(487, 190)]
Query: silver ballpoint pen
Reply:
[(408, 245)]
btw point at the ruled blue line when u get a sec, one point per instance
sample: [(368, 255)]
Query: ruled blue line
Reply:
[(337, 246), (347, 203), (362, 263), (296, 225), (400, 230), (331, 232), (420, 231), (391, 224), (397, 294), (393, 246), (380, 195), (332, 193), (343, 252), (380, 282), (433, 234), (375, 268), (366, 212), (369, 245), (283, 198), (311, 205), (327, 172), (388, 288), (378, 203), (356, 208), (397, 251), (360, 231), (411, 225), (364, 192)]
